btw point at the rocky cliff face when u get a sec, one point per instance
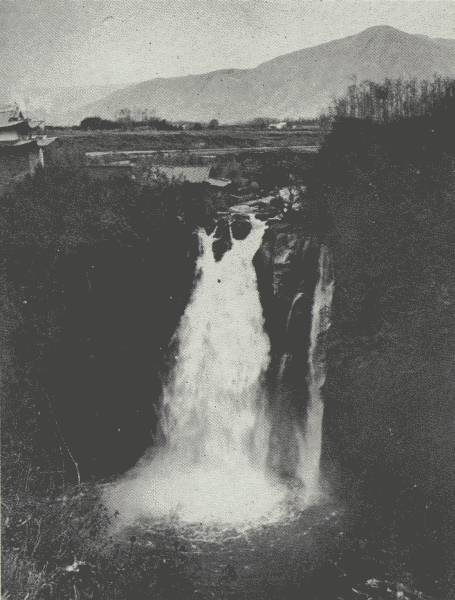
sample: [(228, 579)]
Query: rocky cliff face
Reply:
[(389, 414), (390, 374)]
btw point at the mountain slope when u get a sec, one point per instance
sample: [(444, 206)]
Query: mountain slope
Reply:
[(301, 83)]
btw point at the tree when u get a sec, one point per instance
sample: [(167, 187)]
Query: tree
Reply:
[(91, 123), (124, 117), (261, 122), (392, 100), (214, 124)]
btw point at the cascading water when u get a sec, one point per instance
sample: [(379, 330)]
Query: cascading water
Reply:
[(286, 356), (212, 466), (310, 440)]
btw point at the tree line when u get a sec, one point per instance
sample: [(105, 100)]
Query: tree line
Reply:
[(393, 99), (128, 119)]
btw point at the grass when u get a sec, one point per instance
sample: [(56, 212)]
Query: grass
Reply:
[(64, 546), (45, 535)]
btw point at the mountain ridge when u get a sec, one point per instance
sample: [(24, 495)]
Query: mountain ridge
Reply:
[(297, 84)]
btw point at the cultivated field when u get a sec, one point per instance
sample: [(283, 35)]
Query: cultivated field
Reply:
[(223, 137)]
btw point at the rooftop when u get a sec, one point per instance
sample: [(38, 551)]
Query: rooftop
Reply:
[(11, 115)]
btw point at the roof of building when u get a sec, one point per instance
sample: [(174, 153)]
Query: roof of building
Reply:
[(192, 174), (44, 140), (11, 124), (218, 182), (26, 142), (11, 115)]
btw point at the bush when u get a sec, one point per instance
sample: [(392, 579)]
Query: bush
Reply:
[(97, 123)]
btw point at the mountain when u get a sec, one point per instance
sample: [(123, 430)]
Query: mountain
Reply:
[(298, 84)]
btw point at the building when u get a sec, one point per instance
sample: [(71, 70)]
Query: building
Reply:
[(150, 166), (21, 152), (219, 182), (147, 166), (190, 173)]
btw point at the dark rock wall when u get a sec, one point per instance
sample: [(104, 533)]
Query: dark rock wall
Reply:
[(391, 380), (287, 268), (389, 422), (121, 307)]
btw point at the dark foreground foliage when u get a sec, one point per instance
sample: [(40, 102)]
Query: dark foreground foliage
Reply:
[(63, 547), (385, 201), (93, 274)]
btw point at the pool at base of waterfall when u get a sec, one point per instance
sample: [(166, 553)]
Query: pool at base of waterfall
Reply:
[(324, 552), (239, 497)]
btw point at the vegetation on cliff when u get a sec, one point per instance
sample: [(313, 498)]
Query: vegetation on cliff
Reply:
[(385, 200)]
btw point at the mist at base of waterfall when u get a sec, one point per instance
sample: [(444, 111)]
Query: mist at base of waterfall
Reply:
[(239, 497), (213, 467)]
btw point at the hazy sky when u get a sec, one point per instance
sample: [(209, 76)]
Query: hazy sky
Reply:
[(86, 42)]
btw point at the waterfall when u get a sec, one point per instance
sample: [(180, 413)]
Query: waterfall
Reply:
[(212, 465), (286, 356), (212, 407), (310, 440)]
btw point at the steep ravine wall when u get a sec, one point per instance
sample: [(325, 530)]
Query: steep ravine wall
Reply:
[(390, 386), (287, 270), (389, 421)]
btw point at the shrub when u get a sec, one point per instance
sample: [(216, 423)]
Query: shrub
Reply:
[(97, 123)]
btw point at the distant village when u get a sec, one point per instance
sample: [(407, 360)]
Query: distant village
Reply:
[(23, 144)]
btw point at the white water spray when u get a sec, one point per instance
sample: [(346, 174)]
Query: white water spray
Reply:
[(310, 441), (212, 467), (287, 356)]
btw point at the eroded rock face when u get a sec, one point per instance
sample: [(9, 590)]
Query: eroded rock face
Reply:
[(240, 227), (290, 256), (293, 259), (235, 226)]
